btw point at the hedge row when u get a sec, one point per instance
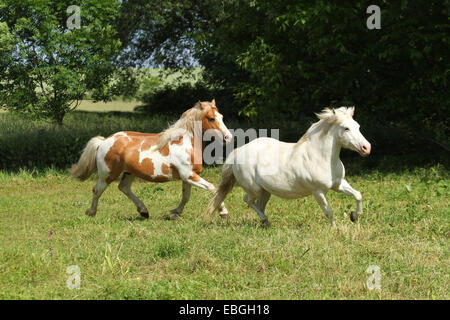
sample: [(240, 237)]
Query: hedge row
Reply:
[(26, 143), (38, 145)]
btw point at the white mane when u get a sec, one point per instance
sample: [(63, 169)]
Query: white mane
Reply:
[(328, 117), (185, 123), (336, 115)]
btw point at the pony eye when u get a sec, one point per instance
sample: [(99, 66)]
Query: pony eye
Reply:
[(347, 129), (211, 119)]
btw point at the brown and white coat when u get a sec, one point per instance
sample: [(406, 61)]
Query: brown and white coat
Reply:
[(174, 154)]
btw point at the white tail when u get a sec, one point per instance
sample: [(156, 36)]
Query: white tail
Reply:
[(225, 187), (87, 163)]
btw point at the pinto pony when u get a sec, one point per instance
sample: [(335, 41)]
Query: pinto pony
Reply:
[(267, 166), (174, 154)]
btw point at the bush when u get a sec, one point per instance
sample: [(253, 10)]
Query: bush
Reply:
[(149, 84), (174, 100)]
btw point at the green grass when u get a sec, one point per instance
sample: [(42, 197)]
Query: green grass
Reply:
[(43, 230)]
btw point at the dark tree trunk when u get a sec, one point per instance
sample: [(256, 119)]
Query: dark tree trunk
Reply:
[(58, 120)]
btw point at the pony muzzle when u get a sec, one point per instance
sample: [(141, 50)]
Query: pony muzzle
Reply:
[(364, 150), (228, 137)]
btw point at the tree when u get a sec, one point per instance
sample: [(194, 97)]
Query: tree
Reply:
[(161, 31), (292, 58), (47, 67), (295, 57)]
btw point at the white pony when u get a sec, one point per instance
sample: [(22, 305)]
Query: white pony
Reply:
[(267, 166)]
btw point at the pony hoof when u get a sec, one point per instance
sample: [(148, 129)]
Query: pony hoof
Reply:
[(175, 216), (265, 223), (353, 216), (225, 216), (90, 213), (144, 214)]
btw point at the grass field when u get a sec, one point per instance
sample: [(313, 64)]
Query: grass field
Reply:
[(43, 231)]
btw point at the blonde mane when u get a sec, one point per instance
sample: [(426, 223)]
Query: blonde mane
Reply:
[(185, 123), (328, 117)]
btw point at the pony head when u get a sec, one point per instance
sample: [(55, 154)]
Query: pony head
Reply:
[(212, 120), (347, 129)]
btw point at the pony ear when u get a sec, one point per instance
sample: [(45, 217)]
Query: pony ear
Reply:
[(351, 111), (334, 112), (202, 105), (213, 102)]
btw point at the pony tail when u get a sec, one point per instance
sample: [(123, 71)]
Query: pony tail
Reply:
[(225, 187), (87, 163)]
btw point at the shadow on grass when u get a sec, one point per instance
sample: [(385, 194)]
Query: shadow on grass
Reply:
[(133, 219)]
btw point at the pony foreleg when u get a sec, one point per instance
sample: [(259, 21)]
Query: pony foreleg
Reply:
[(322, 201), (186, 188), (345, 188), (195, 180), (125, 187)]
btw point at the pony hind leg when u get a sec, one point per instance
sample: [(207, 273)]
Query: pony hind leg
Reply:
[(97, 191), (186, 190), (125, 187), (101, 185), (194, 179), (258, 203), (105, 177), (262, 200)]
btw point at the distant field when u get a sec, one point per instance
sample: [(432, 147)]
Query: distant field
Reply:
[(192, 75), (89, 105)]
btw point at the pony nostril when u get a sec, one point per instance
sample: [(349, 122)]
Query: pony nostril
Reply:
[(366, 148)]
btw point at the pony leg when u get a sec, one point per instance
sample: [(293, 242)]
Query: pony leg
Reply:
[(96, 194), (125, 187), (262, 200), (259, 206), (195, 180), (186, 188), (322, 201), (347, 189)]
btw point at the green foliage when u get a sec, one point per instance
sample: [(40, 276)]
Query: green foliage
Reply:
[(47, 68), (161, 31), (38, 144), (296, 57), (149, 84), (287, 59), (175, 99)]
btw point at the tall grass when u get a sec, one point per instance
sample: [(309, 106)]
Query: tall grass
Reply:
[(37, 144)]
